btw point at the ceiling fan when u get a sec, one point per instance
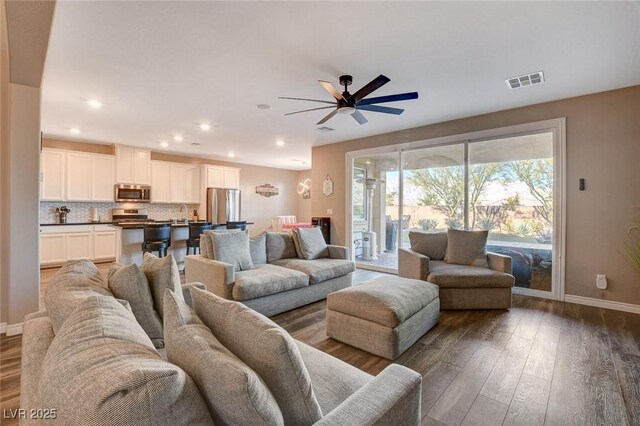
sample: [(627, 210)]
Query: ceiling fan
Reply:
[(346, 103)]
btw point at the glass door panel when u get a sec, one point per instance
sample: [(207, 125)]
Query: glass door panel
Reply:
[(511, 196), (433, 189), (374, 200)]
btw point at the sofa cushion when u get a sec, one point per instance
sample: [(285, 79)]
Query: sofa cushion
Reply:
[(74, 282), (265, 280), (388, 300), (332, 380), (310, 243), (130, 283), (234, 393), (431, 244), (101, 368), (319, 270), (446, 275), (206, 244), (267, 349), (232, 248), (280, 245), (161, 273), (258, 248), (467, 248)]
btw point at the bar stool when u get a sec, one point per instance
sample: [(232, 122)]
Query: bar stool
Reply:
[(195, 230), (157, 237), (237, 225)]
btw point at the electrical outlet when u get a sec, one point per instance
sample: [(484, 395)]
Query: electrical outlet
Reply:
[(601, 281), (329, 211)]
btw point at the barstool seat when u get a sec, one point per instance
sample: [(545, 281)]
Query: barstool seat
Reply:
[(156, 237), (195, 230)]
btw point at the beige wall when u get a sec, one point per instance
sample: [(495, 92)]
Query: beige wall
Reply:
[(603, 146), (4, 163)]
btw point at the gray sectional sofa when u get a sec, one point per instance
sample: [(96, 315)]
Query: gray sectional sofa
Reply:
[(280, 281), (87, 361)]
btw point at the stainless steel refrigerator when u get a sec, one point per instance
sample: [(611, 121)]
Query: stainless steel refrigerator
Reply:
[(223, 205)]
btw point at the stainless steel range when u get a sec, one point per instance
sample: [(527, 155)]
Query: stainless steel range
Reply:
[(125, 216)]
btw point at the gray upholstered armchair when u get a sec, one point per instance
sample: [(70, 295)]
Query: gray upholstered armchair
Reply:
[(457, 261)]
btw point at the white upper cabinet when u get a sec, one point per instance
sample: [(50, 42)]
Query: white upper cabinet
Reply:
[(133, 165), (53, 175), (78, 176), (222, 177), (103, 177), (160, 182), (178, 183), (193, 185)]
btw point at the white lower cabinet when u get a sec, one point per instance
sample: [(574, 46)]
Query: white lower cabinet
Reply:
[(65, 242)]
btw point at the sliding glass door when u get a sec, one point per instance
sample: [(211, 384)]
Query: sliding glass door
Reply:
[(508, 185)]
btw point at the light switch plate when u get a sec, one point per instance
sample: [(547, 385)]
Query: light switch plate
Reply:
[(329, 211)]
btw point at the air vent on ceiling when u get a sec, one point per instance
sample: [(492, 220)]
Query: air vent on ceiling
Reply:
[(525, 80), (324, 129)]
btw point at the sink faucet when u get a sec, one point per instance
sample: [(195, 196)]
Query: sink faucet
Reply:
[(186, 212)]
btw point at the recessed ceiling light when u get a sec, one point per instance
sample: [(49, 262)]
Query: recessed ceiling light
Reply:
[(367, 162), (231, 154), (205, 127), (74, 130), (263, 106), (94, 103), (164, 144), (178, 138), (280, 143)]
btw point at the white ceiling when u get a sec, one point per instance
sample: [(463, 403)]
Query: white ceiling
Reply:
[(160, 68)]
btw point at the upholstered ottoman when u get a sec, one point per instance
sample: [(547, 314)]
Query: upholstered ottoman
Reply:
[(384, 316)]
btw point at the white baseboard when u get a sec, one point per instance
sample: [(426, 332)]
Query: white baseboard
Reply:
[(600, 303), (3, 327), (13, 329)]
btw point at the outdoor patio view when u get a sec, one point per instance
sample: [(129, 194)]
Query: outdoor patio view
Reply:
[(509, 192)]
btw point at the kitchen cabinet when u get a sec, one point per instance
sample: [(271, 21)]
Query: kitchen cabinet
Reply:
[(178, 183), (103, 177), (133, 165), (53, 175), (193, 185), (160, 182), (61, 243), (221, 177), (53, 249), (78, 176)]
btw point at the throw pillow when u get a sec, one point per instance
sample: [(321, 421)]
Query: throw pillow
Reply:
[(258, 248), (280, 245), (161, 273), (130, 283), (267, 349), (208, 243), (74, 282), (205, 242), (431, 244), (101, 368), (234, 393), (310, 243), (233, 248), (467, 248)]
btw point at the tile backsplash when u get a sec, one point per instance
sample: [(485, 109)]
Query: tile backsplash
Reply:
[(80, 212)]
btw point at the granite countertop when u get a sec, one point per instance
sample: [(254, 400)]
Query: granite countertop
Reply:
[(76, 223), (173, 225)]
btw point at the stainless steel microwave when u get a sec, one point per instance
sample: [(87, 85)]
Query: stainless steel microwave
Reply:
[(124, 193)]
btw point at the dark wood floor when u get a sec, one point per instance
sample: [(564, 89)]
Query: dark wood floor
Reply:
[(542, 362)]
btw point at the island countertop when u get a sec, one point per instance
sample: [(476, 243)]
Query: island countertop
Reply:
[(173, 225)]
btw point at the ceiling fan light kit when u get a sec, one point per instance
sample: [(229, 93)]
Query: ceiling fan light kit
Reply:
[(353, 104)]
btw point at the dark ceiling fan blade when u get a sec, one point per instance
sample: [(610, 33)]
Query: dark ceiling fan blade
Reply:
[(327, 117), (305, 99), (383, 109), (359, 117), (332, 90), (374, 84), (389, 98), (307, 110)]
